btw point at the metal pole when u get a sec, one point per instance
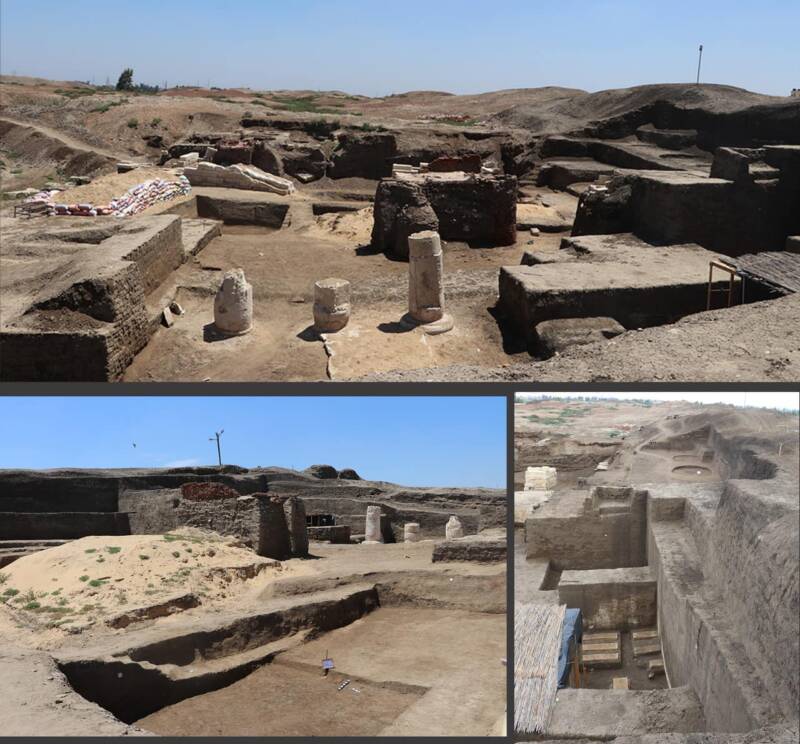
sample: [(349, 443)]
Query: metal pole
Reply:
[(218, 434), (699, 60)]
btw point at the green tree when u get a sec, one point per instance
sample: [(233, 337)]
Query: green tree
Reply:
[(125, 81)]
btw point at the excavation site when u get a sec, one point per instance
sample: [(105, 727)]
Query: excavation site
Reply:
[(200, 234), (657, 595), (249, 602)]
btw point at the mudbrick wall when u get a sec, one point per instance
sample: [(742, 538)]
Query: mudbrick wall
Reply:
[(726, 216), (612, 598), (21, 491), (479, 551), (752, 555), (242, 211), (158, 255), (107, 297), (634, 307), (480, 210), (591, 540), (61, 356), (61, 525), (130, 331), (728, 598), (696, 650), (258, 520), (151, 498), (151, 511)]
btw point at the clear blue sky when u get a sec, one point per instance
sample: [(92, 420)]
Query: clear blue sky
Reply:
[(376, 48), (435, 441)]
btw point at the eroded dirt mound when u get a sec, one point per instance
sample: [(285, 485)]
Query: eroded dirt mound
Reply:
[(576, 110), (96, 580)]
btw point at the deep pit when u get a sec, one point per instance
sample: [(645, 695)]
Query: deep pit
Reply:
[(220, 592), (652, 597)]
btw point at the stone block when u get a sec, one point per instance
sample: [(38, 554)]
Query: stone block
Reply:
[(237, 177), (540, 478), (331, 305)]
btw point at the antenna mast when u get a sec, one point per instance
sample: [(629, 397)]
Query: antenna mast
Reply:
[(699, 61)]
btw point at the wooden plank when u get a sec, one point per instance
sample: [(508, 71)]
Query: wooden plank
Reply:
[(596, 648), (780, 269), (645, 649), (608, 636)]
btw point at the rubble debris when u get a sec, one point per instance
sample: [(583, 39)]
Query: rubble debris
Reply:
[(207, 491)]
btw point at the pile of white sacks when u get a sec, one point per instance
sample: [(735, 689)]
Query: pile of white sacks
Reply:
[(134, 200), (237, 177)]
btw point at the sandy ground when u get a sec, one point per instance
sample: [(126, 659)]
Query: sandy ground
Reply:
[(282, 266), (72, 587), (310, 705), (458, 667), (54, 594), (354, 227)]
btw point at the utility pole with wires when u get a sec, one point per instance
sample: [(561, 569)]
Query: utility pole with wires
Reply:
[(699, 61), (217, 435)]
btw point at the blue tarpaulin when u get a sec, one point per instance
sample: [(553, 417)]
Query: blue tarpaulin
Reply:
[(571, 635)]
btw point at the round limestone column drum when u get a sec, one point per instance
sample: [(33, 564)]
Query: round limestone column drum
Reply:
[(233, 305), (331, 305), (425, 283), (453, 529), (372, 526)]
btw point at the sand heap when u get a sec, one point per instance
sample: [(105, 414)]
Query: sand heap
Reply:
[(123, 579)]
